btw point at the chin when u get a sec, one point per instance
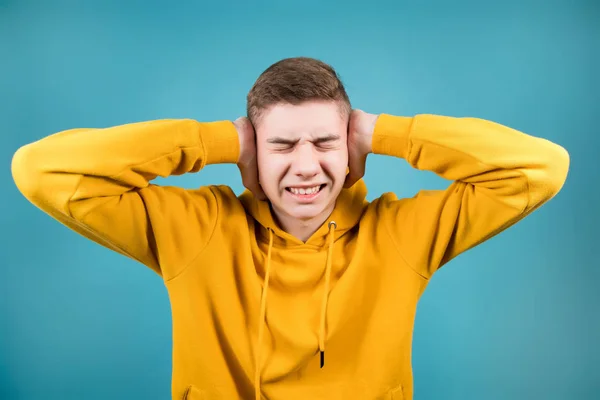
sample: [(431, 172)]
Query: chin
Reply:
[(305, 213)]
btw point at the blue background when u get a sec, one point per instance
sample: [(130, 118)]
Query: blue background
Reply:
[(515, 318)]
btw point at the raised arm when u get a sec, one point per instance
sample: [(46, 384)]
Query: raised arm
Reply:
[(97, 182), (500, 175)]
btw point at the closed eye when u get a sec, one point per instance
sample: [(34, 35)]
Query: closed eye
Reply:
[(330, 142), (326, 142), (283, 148)]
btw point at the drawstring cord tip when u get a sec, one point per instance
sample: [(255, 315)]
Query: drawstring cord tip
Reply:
[(322, 359)]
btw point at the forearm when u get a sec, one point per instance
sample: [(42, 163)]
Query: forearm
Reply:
[(520, 169), (85, 163)]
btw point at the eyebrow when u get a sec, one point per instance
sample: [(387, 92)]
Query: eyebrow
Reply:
[(331, 137)]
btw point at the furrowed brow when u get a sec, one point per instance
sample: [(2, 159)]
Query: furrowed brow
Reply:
[(327, 138), (280, 140), (318, 140)]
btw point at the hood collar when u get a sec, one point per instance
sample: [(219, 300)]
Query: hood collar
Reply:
[(348, 210)]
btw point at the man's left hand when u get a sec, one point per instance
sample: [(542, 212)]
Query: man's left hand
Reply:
[(360, 136)]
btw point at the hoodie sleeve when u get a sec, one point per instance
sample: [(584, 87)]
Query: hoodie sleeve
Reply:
[(499, 175), (97, 182)]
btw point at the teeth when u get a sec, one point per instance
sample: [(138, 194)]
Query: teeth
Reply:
[(305, 191)]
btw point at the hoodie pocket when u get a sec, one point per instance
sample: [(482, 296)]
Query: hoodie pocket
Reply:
[(193, 393)]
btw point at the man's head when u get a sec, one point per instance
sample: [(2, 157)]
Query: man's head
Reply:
[(299, 109)]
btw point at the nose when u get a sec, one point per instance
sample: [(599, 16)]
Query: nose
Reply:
[(305, 161)]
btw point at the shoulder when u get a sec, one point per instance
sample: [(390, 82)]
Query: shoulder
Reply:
[(223, 194), (390, 202), (228, 201), (392, 211)]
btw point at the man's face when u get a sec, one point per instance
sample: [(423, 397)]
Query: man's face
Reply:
[(302, 158)]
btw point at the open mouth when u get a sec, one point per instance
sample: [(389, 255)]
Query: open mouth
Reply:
[(305, 192)]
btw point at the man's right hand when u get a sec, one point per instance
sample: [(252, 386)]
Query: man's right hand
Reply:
[(247, 162)]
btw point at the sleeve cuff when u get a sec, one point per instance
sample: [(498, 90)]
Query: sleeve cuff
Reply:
[(391, 136), (220, 141)]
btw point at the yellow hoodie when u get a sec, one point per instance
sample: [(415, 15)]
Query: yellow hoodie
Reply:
[(255, 309)]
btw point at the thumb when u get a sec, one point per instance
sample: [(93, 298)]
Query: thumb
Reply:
[(347, 182), (250, 179), (258, 191), (356, 171)]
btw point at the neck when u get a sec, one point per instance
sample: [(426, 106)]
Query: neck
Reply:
[(302, 228)]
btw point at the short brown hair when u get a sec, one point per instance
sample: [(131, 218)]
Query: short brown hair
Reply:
[(294, 81)]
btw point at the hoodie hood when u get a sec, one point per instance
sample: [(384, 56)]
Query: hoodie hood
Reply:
[(347, 212)]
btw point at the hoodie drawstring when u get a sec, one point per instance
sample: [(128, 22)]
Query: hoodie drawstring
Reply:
[(332, 226), (262, 319), (263, 305)]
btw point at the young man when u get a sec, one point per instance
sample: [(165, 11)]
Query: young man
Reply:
[(299, 288)]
